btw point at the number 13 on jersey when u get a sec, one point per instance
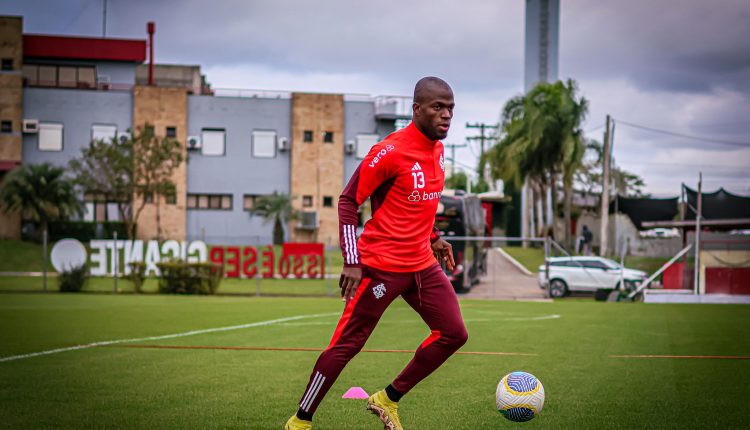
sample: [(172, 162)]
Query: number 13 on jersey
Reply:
[(418, 179)]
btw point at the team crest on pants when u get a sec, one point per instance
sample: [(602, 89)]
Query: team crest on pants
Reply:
[(379, 290)]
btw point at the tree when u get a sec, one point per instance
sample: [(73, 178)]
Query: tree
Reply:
[(456, 181), (40, 192), (276, 207), (139, 168), (540, 142)]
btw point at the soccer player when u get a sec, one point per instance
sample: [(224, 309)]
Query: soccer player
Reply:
[(395, 256)]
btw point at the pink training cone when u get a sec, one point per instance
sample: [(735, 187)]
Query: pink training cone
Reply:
[(355, 393)]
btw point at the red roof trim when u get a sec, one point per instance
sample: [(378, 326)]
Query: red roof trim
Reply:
[(84, 48)]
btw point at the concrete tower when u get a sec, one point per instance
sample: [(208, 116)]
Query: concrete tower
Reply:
[(542, 42), (540, 65)]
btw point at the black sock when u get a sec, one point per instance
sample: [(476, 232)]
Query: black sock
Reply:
[(307, 416), (393, 394)]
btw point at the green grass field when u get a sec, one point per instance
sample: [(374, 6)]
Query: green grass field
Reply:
[(117, 386)]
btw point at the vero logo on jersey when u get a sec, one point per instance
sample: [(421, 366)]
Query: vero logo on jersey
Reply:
[(379, 156)]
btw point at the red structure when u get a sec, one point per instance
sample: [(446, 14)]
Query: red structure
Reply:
[(84, 48)]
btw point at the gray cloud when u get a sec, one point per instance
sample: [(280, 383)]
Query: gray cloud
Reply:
[(681, 65)]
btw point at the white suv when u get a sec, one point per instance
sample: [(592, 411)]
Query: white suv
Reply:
[(586, 274)]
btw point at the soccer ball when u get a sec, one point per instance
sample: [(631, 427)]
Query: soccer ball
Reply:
[(519, 396)]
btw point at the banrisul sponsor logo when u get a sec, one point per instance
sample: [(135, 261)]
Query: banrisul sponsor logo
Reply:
[(382, 153), (417, 196)]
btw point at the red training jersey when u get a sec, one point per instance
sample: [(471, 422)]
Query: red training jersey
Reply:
[(403, 176)]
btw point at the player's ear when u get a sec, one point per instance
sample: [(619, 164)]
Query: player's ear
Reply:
[(415, 108)]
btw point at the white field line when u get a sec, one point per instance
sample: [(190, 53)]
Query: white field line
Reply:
[(514, 262), (466, 320), (166, 336)]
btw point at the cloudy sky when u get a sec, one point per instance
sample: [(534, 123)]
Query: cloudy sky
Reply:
[(677, 65)]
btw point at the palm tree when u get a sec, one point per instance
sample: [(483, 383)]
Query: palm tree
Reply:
[(276, 207), (541, 141), (40, 192)]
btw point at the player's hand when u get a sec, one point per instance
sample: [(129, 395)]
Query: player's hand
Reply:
[(349, 281), (444, 251)]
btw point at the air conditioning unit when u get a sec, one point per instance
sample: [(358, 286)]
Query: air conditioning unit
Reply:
[(103, 82), (308, 221), (194, 142), (123, 137), (31, 126), (350, 147), (283, 143)]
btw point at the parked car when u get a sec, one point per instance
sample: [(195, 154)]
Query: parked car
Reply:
[(578, 273)]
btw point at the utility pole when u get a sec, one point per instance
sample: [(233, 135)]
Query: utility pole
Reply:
[(698, 216), (481, 138), (104, 20), (453, 147), (604, 225)]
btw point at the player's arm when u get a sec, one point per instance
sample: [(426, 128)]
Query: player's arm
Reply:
[(442, 248), (375, 169)]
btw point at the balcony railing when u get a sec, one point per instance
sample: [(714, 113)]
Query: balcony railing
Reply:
[(78, 85), (393, 107)]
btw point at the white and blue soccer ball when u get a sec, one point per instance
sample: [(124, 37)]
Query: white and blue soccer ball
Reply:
[(519, 396)]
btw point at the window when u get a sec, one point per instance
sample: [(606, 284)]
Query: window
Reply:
[(66, 77), (213, 141), (171, 199), (59, 76), (593, 264), (365, 142), (98, 208), (172, 132), (6, 126), (148, 197), (307, 201), (248, 201), (103, 132), (307, 136), (327, 201), (328, 137), (50, 136), (47, 76), (31, 73), (209, 201), (264, 144), (86, 77), (7, 64)]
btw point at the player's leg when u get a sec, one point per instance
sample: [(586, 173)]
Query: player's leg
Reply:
[(376, 291), (432, 296), (436, 302)]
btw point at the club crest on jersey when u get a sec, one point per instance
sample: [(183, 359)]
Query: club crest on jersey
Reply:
[(442, 163), (379, 290)]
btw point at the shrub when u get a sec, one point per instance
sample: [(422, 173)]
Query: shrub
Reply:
[(86, 230), (137, 275), (180, 277), (72, 280)]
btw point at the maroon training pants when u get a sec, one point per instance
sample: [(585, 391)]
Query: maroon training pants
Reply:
[(428, 291)]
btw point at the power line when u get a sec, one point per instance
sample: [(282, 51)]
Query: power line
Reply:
[(652, 163), (594, 129), (685, 136)]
